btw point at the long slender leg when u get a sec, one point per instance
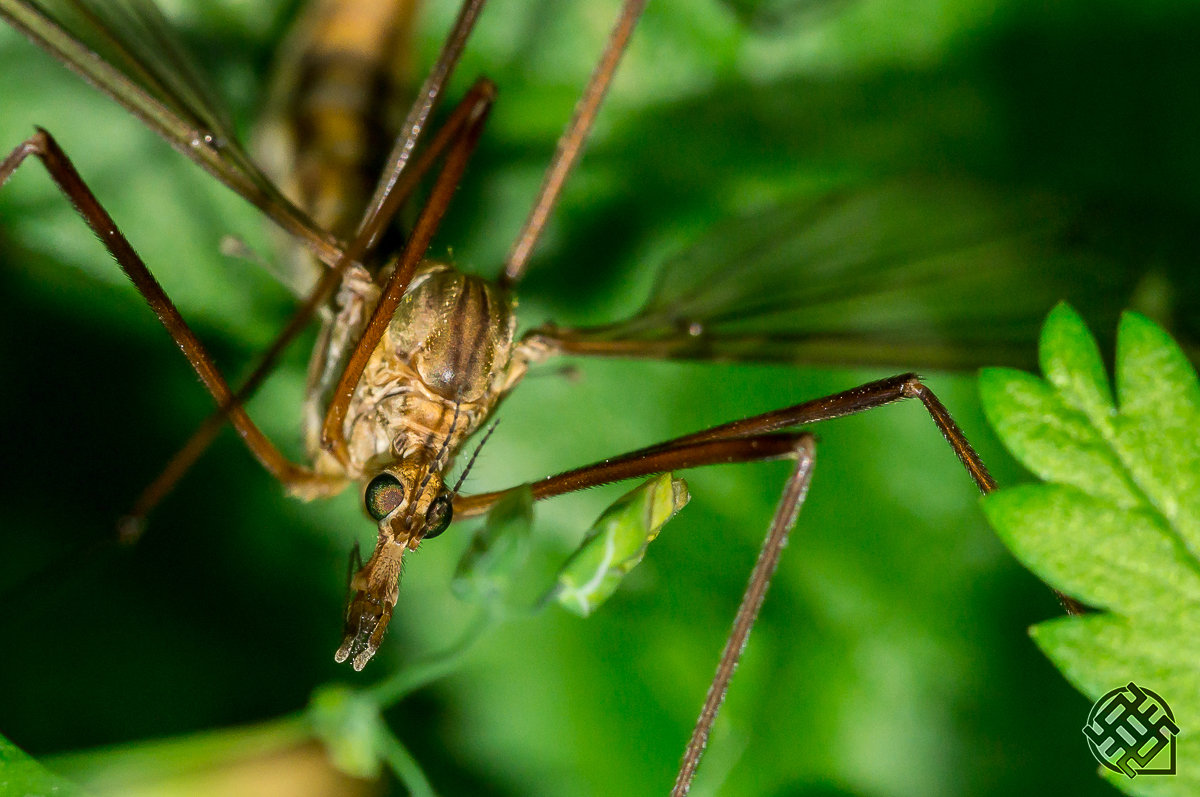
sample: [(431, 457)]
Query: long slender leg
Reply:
[(855, 400), (43, 146), (684, 453), (756, 428), (199, 139), (427, 100), (400, 187), (675, 455), (756, 590), (689, 453), (754, 438), (570, 144), (464, 140)]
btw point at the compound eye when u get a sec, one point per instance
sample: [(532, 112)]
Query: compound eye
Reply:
[(383, 495), (441, 512)]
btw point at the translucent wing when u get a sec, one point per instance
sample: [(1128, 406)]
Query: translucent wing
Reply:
[(125, 48), (936, 276)]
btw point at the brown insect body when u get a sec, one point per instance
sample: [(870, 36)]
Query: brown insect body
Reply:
[(340, 83), (435, 376), (448, 354), (446, 361)]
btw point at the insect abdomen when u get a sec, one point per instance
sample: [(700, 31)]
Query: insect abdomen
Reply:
[(341, 79)]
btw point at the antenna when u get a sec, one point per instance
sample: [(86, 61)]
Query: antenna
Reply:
[(474, 454)]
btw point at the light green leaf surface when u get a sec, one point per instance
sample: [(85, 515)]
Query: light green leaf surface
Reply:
[(357, 739), (1098, 653), (237, 759), (348, 723), (617, 541), (21, 775), (1114, 523)]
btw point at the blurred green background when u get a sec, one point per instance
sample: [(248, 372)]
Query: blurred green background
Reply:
[(891, 657)]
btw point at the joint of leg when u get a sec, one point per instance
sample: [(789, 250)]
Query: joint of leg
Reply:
[(913, 387), (486, 89), (806, 446)]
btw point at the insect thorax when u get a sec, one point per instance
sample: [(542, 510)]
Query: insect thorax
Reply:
[(440, 368)]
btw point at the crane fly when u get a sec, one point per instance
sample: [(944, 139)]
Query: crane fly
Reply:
[(416, 355)]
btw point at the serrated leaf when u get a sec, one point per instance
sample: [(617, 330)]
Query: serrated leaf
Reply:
[(1051, 438), (1123, 561), (1070, 359), (1116, 524), (20, 774), (617, 541), (1158, 429), (1099, 652)]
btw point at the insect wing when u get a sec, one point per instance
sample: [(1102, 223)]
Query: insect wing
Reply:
[(125, 49), (900, 275), (133, 39)]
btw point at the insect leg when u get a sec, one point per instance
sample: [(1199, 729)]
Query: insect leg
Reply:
[(570, 144), (754, 438), (193, 131), (400, 187), (427, 99), (462, 140), (684, 453), (853, 401), (674, 455), (43, 146), (790, 502), (757, 428)]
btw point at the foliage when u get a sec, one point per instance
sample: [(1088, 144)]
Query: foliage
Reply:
[(1115, 522), (616, 543), (491, 569), (20, 774)]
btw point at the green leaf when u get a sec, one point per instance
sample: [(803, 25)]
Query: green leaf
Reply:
[(20, 774), (1115, 523), (1052, 438), (1098, 653), (1123, 561), (617, 541), (1070, 359), (190, 763), (1158, 430)]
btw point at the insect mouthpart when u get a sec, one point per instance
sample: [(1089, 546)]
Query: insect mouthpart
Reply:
[(376, 585), (405, 515), (367, 619)]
